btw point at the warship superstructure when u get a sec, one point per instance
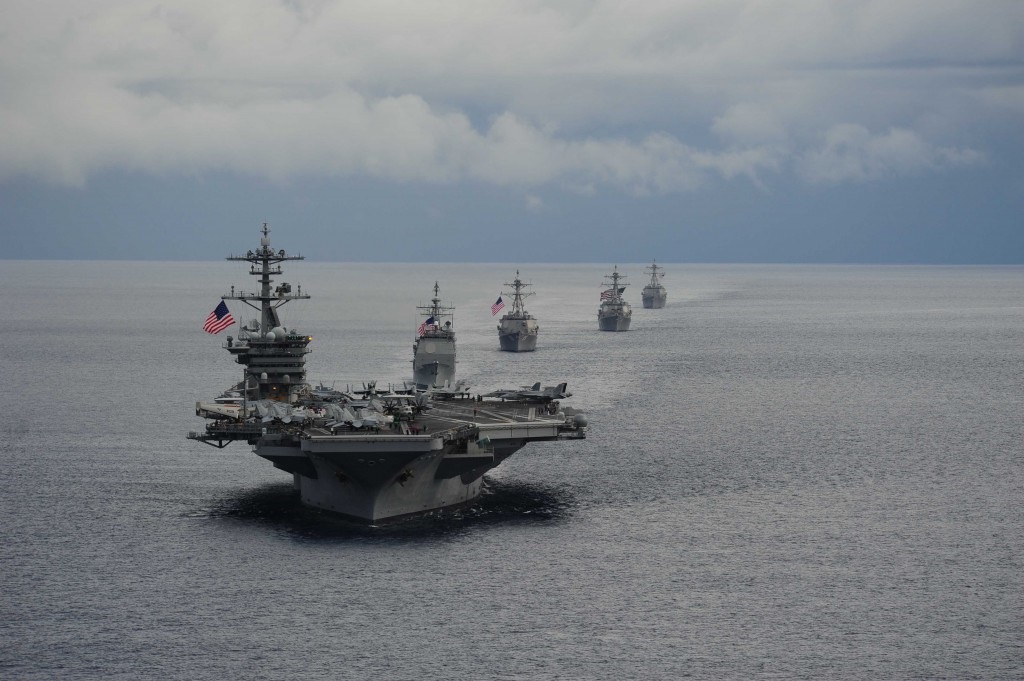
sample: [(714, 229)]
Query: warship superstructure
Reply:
[(517, 329), (614, 314), (654, 294), (433, 351), (370, 455)]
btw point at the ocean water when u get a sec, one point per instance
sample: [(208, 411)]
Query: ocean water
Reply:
[(791, 472)]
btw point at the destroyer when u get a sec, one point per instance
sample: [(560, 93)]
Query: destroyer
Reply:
[(433, 351), (371, 455), (654, 294), (614, 313), (517, 329)]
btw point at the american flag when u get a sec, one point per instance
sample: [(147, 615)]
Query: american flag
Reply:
[(498, 304), (423, 327), (607, 295), (219, 319)]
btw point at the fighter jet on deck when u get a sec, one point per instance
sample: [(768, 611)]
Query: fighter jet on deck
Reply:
[(533, 393)]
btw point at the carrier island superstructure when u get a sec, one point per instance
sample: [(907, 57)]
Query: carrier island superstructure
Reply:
[(370, 455)]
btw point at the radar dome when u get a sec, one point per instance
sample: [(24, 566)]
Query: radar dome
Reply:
[(580, 421)]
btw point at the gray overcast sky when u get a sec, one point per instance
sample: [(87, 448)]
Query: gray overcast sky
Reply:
[(725, 130)]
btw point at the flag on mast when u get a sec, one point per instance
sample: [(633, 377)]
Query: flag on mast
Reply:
[(498, 304), (423, 327), (610, 293), (219, 319)]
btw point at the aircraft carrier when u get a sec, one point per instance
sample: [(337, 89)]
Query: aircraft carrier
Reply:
[(370, 455)]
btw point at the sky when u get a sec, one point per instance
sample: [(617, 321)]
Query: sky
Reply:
[(802, 131)]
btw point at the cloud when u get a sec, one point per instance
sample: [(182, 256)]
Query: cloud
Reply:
[(750, 123), (852, 153), (1010, 98), (649, 98)]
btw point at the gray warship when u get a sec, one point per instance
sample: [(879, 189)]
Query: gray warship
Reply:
[(517, 329), (654, 294), (370, 455), (433, 351), (614, 314)]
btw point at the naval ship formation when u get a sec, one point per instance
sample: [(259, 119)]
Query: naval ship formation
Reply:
[(370, 455)]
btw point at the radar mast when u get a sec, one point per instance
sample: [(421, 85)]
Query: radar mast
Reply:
[(273, 356), (518, 311)]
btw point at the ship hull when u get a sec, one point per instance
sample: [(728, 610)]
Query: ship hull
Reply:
[(380, 482), (614, 323), (518, 334), (654, 299), (386, 500), (433, 361), (518, 342), (382, 478)]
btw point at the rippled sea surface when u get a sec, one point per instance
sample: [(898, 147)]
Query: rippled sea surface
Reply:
[(791, 472)]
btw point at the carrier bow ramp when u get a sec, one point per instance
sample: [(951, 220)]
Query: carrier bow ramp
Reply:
[(369, 455)]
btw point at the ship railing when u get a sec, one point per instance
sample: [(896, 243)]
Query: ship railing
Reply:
[(536, 411), (240, 428), (464, 432)]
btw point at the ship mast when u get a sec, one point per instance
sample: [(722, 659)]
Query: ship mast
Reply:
[(518, 311), (616, 296), (437, 311), (265, 262), (654, 274)]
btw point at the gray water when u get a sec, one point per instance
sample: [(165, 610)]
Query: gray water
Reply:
[(791, 472)]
